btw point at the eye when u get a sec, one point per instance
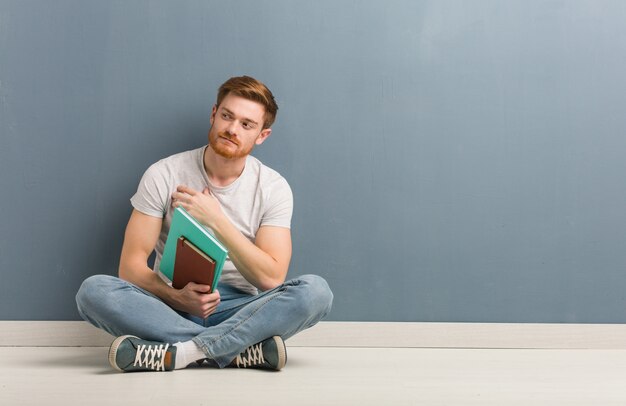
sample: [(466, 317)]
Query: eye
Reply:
[(226, 116), (249, 125)]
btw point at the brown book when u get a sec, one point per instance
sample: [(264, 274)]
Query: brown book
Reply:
[(192, 265)]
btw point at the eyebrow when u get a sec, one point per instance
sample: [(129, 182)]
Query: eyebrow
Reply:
[(243, 119)]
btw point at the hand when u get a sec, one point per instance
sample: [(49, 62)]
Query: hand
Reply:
[(203, 206), (195, 299)]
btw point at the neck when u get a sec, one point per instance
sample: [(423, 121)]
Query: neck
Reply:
[(222, 171)]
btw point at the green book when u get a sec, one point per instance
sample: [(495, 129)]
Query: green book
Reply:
[(184, 225)]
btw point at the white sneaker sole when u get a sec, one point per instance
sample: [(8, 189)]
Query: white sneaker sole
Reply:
[(113, 351), (282, 352)]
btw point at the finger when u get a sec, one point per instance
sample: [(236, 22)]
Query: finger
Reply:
[(213, 303), (200, 288), (210, 311), (180, 203), (209, 307), (187, 190), (206, 191), (208, 299), (207, 311)]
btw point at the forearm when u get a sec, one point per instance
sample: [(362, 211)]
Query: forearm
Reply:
[(141, 275), (258, 267)]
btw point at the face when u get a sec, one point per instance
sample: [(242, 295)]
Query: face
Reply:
[(237, 126)]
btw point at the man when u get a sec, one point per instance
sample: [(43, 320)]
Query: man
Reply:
[(248, 207)]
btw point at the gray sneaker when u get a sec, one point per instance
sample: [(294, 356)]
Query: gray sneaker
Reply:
[(132, 354), (268, 354)]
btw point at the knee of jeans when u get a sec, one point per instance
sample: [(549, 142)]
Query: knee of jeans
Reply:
[(319, 297), (91, 292)]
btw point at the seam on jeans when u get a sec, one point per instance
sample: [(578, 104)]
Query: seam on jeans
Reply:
[(281, 288), (227, 309), (141, 290)]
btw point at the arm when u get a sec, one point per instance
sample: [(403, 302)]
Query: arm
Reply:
[(140, 239), (263, 263)]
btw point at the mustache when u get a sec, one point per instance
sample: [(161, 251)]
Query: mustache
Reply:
[(226, 135)]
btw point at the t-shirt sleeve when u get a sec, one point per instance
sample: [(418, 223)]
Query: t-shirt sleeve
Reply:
[(152, 193), (279, 205)]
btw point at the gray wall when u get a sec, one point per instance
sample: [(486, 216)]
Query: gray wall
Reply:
[(450, 160)]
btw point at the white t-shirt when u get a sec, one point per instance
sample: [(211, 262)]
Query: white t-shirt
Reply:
[(259, 197)]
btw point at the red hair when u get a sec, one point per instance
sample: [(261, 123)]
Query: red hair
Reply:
[(251, 89)]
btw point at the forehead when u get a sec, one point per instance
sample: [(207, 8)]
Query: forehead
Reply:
[(243, 108)]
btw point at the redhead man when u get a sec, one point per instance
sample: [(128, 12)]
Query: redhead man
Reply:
[(248, 207)]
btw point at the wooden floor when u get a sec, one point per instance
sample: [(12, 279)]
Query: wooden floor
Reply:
[(325, 376)]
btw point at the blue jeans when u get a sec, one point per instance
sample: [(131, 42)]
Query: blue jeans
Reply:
[(240, 320)]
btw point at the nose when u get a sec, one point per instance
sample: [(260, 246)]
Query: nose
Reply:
[(232, 128)]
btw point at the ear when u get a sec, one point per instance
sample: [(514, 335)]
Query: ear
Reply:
[(213, 112), (263, 136)]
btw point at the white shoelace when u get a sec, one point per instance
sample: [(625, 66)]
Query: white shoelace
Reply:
[(153, 356), (251, 356)]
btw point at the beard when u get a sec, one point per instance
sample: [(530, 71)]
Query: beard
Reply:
[(218, 145)]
